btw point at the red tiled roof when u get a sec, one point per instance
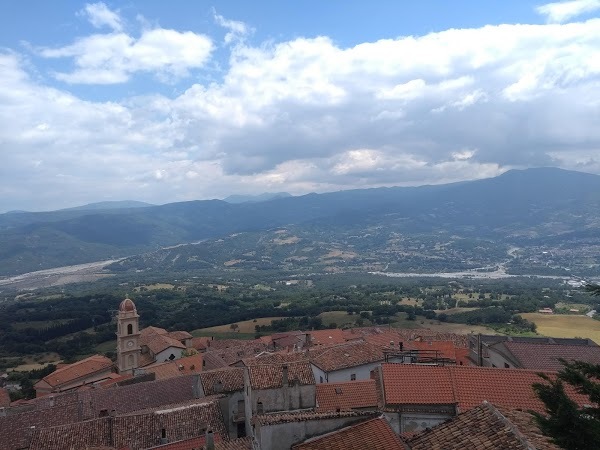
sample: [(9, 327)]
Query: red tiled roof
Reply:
[(4, 398), (483, 427), (546, 356), (346, 396), (350, 354), (200, 343), (270, 376), (231, 379), (186, 444), (182, 366), (275, 358), (303, 415), (179, 335), (327, 337), (162, 342), (72, 372), (465, 385), (416, 384), (374, 434)]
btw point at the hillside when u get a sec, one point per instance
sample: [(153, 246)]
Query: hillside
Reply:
[(530, 209)]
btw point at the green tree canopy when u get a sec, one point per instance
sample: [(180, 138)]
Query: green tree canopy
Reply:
[(572, 427)]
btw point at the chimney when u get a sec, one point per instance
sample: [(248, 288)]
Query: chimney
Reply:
[(218, 387), (285, 375), (392, 344), (210, 440)]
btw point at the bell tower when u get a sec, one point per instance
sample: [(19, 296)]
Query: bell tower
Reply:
[(128, 336)]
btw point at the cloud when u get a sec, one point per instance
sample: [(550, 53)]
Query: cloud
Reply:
[(237, 30), (303, 115), (99, 15), (114, 57), (559, 12)]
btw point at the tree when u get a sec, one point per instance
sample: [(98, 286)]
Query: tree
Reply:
[(571, 427), (593, 289)]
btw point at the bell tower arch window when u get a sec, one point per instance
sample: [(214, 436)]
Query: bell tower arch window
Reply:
[(130, 329)]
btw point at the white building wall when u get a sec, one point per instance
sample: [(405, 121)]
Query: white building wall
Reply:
[(362, 372), (166, 353)]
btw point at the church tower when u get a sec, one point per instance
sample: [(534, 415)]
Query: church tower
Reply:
[(128, 336)]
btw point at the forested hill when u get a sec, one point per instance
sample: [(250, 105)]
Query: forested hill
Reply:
[(527, 204)]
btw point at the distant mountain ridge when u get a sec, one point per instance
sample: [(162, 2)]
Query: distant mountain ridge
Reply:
[(527, 204), (116, 204), (266, 196)]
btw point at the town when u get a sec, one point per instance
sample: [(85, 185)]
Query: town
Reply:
[(376, 387)]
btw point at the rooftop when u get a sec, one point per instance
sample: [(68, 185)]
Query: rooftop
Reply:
[(327, 337), (346, 396), (350, 354), (484, 427), (228, 379), (270, 376), (374, 434), (72, 372), (182, 366), (406, 384), (306, 415), (546, 356)]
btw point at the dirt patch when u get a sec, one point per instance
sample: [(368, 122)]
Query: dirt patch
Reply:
[(287, 240), (232, 262)]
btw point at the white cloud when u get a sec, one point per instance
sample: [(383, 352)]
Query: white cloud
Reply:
[(302, 115), (237, 30), (559, 12), (99, 16), (115, 57)]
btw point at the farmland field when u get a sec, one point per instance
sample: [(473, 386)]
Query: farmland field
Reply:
[(246, 326), (559, 325)]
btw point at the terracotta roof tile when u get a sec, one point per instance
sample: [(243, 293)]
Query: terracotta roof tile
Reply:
[(179, 335), (186, 444), (546, 356), (231, 379), (306, 415), (482, 427), (327, 337), (350, 354), (346, 396), (134, 397), (374, 434), (465, 385), (160, 342), (270, 376), (79, 435), (4, 398), (417, 384), (182, 366), (201, 343), (275, 358), (211, 360), (71, 372)]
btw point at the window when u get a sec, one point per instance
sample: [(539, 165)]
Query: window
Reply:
[(163, 433), (506, 366), (352, 377), (130, 329), (320, 379)]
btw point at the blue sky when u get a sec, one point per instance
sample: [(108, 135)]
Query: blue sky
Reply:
[(163, 102)]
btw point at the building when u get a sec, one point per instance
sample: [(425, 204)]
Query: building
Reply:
[(347, 362), (374, 434), (128, 337), (485, 426), (530, 352), (88, 371), (347, 396)]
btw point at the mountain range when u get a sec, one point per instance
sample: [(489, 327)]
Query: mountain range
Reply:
[(523, 208)]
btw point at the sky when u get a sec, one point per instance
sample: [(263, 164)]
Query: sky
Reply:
[(187, 100)]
